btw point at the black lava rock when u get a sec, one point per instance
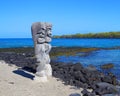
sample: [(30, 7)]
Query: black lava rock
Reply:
[(105, 88), (75, 94), (87, 93)]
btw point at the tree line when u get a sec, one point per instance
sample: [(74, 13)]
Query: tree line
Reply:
[(91, 35)]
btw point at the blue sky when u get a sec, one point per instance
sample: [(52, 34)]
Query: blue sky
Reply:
[(67, 16)]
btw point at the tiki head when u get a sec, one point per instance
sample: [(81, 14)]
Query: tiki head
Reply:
[(41, 32)]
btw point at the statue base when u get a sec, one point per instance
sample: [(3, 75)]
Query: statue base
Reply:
[(40, 79), (48, 70)]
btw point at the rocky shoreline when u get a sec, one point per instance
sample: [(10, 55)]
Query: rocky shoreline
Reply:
[(70, 74)]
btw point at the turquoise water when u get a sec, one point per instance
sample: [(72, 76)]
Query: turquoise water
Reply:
[(27, 42)]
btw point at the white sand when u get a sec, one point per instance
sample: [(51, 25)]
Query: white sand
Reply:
[(12, 84)]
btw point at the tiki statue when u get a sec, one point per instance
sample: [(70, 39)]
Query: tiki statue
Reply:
[(41, 34)]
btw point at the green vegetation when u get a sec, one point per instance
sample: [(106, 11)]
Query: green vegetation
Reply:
[(107, 66), (67, 51), (92, 35), (56, 51)]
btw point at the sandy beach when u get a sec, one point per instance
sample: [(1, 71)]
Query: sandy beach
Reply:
[(16, 82)]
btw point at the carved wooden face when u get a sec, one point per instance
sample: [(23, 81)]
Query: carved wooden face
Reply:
[(41, 32), (48, 34)]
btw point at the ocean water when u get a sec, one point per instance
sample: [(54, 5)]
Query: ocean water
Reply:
[(27, 42), (16, 42), (96, 58), (99, 43)]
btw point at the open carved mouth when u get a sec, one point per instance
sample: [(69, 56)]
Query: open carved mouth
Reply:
[(49, 35)]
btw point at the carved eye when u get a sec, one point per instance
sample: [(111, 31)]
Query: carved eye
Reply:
[(42, 33), (48, 29), (42, 29)]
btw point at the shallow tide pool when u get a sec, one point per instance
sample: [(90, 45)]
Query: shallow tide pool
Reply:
[(96, 58)]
